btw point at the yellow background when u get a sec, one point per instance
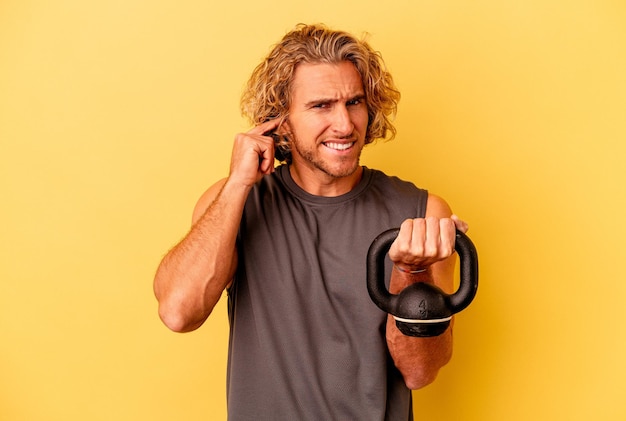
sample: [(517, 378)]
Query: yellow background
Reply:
[(115, 116)]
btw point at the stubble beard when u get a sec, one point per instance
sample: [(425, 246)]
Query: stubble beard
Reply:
[(340, 172)]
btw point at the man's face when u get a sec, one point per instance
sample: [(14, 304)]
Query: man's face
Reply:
[(327, 119)]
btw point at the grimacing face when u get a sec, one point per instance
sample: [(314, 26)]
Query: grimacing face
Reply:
[(328, 119)]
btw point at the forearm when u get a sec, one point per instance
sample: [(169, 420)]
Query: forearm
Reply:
[(192, 276), (418, 359)]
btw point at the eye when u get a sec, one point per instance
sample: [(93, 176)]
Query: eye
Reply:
[(355, 101), (321, 105)]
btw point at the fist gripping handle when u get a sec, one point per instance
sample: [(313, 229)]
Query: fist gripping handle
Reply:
[(421, 309)]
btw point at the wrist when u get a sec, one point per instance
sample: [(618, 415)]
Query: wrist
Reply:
[(413, 270), (235, 184)]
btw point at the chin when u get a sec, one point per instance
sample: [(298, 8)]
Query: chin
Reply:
[(344, 171)]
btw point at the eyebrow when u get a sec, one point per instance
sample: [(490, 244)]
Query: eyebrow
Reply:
[(311, 103)]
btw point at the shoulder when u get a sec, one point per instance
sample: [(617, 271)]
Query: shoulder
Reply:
[(391, 181), (437, 206)]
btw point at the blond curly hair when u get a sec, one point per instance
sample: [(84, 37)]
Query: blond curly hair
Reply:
[(268, 92)]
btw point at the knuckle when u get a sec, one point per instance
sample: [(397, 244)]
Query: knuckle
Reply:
[(419, 222), (447, 252), (407, 224), (431, 251), (404, 249)]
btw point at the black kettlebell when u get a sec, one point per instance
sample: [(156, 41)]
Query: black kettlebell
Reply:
[(421, 309)]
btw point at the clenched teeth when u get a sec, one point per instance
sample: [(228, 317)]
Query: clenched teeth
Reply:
[(339, 146)]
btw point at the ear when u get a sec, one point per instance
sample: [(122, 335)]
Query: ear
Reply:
[(284, 128), (282, 140)]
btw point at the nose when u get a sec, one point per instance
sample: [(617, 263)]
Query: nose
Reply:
[(342, 124)]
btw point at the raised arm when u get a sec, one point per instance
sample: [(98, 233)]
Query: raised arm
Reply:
[(426, 243), (194, 273)]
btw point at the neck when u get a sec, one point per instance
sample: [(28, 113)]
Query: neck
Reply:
[(323, 184)]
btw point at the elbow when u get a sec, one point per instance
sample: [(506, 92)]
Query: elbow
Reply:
[(424, 372), (174, 309), (177, 321), (174, 320), (175, 313), (423, 379)]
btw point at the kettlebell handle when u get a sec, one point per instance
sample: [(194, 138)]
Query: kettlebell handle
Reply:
[(388, 302)]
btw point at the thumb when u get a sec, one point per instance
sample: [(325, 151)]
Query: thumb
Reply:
[(460, 225)]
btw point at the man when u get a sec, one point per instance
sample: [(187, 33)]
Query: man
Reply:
[(289, 244)]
